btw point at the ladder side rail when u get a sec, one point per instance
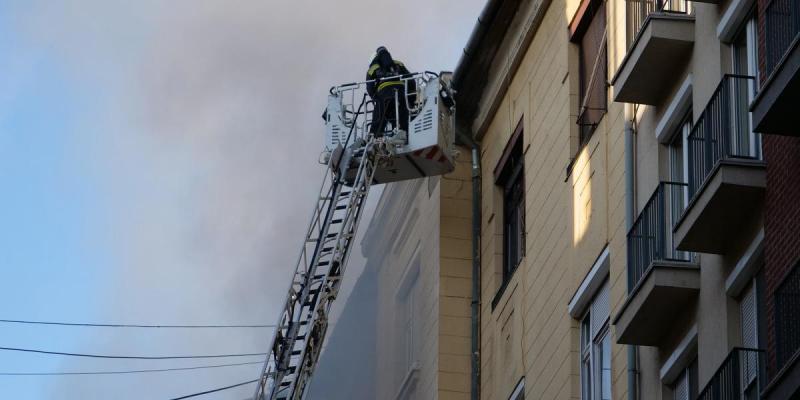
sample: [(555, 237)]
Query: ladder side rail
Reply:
[(288, 348), (291, 299), (283, 360), (327, 305), (315, 316), (290, 306), (330, 284)]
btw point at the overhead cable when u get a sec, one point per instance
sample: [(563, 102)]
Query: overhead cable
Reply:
[(135, 371), (214, 390), (60, 353), (17, 321)]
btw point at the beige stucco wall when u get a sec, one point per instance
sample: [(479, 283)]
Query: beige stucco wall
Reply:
[(424, 222), (569, 221)]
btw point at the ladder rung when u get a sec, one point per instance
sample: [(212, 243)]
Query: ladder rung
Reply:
[(341, 207), (337, 221)]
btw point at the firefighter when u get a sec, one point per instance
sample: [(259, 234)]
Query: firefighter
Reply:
[(387, 90)]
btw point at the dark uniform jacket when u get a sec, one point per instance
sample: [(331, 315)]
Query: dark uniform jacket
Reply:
[(380, 73)]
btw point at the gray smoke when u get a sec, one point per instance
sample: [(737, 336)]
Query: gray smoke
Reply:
[(206, 139)]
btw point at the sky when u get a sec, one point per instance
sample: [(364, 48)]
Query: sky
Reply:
[(158, 162)]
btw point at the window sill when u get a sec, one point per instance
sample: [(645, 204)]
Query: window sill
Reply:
[(506, 282), (409, 382)]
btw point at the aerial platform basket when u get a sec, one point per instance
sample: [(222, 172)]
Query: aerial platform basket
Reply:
[(430, 148)]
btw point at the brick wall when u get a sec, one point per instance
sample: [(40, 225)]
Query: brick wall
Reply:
[(781, 221)]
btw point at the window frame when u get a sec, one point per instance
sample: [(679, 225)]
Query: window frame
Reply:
[(406, 303), (689, 375), (509, 175), (579, 27), (748, 30), (519, 391), (591, 347), (680, 141)]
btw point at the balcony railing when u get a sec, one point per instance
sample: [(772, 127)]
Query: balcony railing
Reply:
[(787, 323), (738, 378), (639, 10), (723, 131), (782, 27), (650, 238)]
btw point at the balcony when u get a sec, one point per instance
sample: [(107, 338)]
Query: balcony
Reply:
[(661, 37), (785, 372), (726, 174), (774, 108), (661, 279), (738, 378)]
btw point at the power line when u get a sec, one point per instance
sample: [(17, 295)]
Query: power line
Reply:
[(59, 353), (18, 321), (214, 390), (136, 371)]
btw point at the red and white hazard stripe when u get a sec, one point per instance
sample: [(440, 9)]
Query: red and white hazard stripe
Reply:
[(431, 153)]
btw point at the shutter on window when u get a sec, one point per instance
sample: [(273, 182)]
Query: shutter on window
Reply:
[(681, 389), (600, 309), (749, 333)]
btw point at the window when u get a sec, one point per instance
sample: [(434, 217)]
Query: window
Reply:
[(406, 329), (752, 333), (519, 391), (595, 349), (510, 177), (744, 61), (678, 167), (685, 386), (592, 68), (744, 48)]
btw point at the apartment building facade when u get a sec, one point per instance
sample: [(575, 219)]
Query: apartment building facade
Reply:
[(405, 330), (639, 211), (533, 95), (639, 229)]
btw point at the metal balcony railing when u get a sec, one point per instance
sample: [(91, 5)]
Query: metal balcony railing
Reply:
[(787, 323), (782, 28), (738, 378), (639, 10), (723, 130), (650, 238)]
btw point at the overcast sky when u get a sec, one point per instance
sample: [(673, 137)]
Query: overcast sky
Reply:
[(158, 161)]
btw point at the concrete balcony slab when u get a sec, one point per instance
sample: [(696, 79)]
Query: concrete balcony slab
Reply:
[(660, 49), (652, 307), (721, 206), (775, 108)]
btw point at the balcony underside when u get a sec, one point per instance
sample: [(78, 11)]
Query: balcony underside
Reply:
[(775, 108), (666, 289), (786, 385), (660, 51), (716, 214)]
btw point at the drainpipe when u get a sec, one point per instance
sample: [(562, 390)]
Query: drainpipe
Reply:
[(476, 271), (630, 210)]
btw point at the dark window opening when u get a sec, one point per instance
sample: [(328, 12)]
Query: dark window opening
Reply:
[(593, 70), (512, 181)]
